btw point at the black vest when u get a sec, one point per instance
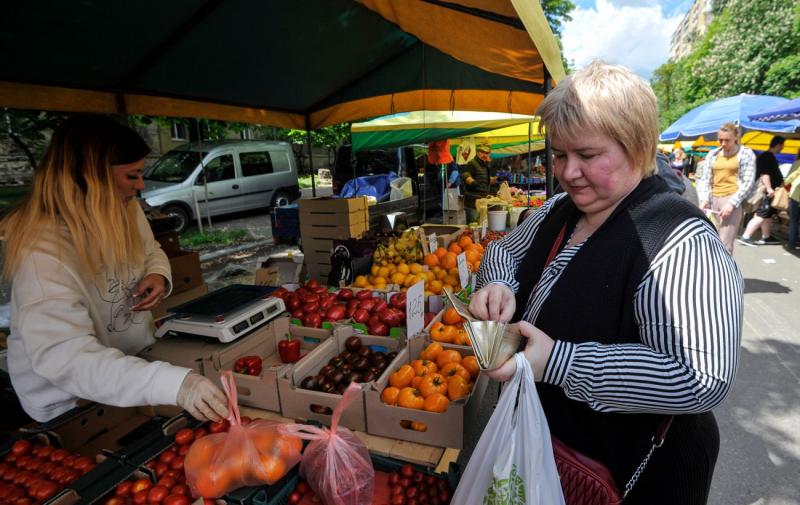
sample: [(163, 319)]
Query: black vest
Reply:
[(593, 302)]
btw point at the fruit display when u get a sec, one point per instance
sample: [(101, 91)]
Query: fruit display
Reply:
[(403, 486), (450, 330), (403, 249), (432, 381), (491, 236), (313, 305), (376, 314), (32, 472), (170, 487), (357, 363)]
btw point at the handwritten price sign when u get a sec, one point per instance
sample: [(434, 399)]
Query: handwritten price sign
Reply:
[(463, 271), (415, 308), (433, 244)]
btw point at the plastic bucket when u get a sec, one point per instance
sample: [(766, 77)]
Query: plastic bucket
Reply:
[(497, 220), (513, 217)]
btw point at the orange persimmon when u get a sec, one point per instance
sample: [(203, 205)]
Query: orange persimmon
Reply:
[(437, 402), (433, 383), (402, 376), (410, 398), (389, 395), (457, 387)]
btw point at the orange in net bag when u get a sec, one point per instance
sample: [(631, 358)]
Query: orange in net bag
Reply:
[(336, 464), (251, 455)]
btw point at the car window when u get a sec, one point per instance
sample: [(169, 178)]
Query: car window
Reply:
[(174, 166), (280, 161), (220, 168), (255, 163)]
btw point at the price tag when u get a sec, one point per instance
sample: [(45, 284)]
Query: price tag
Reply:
[(433, 244), (463, 270), (415, 308), (483, 230)]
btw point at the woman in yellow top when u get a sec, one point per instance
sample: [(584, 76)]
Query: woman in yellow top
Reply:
[(727, 181), (792, 182)]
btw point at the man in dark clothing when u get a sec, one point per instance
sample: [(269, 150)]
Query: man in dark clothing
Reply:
[(477, 180), (770, 176)]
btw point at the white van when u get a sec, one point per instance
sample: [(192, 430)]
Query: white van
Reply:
[(242, 175)]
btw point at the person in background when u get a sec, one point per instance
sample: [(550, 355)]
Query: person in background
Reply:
[(454, 177), (768, 172), (477, 180), (727, 180), (85, 272), (680, 162), (793, 186), (631, 305)]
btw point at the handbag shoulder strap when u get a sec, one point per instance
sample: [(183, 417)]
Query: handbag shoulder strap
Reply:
[(657, 441)]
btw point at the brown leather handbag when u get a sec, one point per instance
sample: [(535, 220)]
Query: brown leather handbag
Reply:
[(586, 481)]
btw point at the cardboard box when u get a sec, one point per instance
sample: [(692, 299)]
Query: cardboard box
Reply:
[(255, 391), (169, 242), (178, 299), (333, 218), (297, 403), (319, 272), (455, 217), (186, 272), (444, 233), (444, 429), (279, 269)]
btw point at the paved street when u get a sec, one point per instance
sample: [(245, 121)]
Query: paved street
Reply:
[(759, 461)]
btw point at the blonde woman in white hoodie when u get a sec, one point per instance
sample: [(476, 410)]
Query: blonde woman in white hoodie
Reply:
[(85, 272)]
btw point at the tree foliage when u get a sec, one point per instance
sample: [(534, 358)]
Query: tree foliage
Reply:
[(557, 13), (751, 47), (28, 130)]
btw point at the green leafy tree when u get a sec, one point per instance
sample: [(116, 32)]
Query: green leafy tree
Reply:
[(557, 13), (27, 129)]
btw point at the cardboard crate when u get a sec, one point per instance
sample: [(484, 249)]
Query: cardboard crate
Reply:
[(333, 218), (281, 268), (297, 403), (257, 391), (318, 272), (178, 299), (169, 242), (186, 272), (444, 233), (455, 217), (444, 429)]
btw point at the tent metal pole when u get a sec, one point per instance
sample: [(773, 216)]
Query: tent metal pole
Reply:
[(310, 158), (205, 172), (528, 192), (548, 150)]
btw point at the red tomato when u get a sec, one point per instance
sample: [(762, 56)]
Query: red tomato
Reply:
[(141, 485), (184, 436), (180, 489), (219, 426), (71, 476), (156, 494), (140, 497), (177, 463), (407, 470), (23, 501), (166, 457), (43, 489), (161, 469), (21, 447), (302, 487), (59, 455), (295, 498), (245, 420), (167, 482), (115, 500), (45, 451), (184, 449), (200, 432), (123, 488), (82, 463), (177, 499)]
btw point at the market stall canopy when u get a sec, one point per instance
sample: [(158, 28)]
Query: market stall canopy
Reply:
[(510, 140), (416, 127), (706, 119), (785, 111), (758, 141), (303, 64)]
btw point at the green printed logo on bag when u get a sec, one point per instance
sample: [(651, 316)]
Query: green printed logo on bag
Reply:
[(510, 491)]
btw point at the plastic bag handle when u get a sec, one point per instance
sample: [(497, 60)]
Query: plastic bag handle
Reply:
[(308, 432), (229, 386)]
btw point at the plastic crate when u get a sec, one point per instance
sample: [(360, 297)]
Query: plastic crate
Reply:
[(286, 221)]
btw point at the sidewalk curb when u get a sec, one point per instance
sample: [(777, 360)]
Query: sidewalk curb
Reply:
[(243, 247)]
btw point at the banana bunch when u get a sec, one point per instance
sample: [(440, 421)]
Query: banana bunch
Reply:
[(403, 249)]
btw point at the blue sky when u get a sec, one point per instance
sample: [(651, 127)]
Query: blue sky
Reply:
[(634, 33)]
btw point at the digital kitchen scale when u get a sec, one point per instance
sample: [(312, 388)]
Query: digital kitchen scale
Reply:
[(225, 314)]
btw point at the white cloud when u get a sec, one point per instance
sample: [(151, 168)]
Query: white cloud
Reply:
[(634, 34)]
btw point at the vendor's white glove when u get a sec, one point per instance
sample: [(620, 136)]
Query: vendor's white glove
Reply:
[(202, 399)]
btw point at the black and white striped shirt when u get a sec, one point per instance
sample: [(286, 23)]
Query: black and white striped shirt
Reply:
[(688, 308)]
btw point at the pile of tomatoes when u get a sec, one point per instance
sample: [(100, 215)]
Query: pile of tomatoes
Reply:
[(33, 473), (450, 330), (432, 381), (312, 304), (404, 487), (170, 488)]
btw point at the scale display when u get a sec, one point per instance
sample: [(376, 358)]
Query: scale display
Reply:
[(225, 314)]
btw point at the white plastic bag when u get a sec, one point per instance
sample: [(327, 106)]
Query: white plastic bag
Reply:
[(513, 461), (452, 199), (400, 188)]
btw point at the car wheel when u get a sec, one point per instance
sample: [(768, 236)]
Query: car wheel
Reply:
[(280, 199), (181, 216)]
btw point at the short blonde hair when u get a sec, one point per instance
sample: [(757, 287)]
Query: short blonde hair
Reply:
[(609, 99), (731, 128)]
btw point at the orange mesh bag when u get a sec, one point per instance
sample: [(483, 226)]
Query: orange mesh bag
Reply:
[(336, 464), (251, 455)]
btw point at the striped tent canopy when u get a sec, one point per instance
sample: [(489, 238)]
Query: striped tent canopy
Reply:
[(785, 111)]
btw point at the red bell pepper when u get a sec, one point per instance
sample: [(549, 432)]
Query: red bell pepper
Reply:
[(248, 365), (289, 350)]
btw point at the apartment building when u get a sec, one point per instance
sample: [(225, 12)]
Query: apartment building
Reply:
[(692, 27)]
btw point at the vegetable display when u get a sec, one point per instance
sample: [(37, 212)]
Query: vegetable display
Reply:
[(248, 365), (289, 350), (357, 363)]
